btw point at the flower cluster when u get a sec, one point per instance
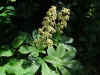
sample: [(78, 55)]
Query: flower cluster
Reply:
[(46, 31), (62, 17), (52, 23)]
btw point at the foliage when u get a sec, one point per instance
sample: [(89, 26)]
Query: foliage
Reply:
[(62, 59), (49, 49), (26, 58), (6, 26), (5, 14)]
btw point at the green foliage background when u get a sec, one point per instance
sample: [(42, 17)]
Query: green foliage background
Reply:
[(19, 18)]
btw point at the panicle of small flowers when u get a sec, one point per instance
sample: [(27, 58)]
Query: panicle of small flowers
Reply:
[(46, 31), (53, 22), (62, 18)]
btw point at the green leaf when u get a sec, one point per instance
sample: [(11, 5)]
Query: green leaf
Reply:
[(46, 70), (2, 71), (35, 34), (12, 0), (11, 13), (25, 49), (7, 52), (19, 40), (35, 53), (3, 14), (10, 8), (66, 39), (60, 51), (74, 65), (64, 71), (61, 57), (70, 53), (51, 51), (1, 7), (35, 67), (53, 60)]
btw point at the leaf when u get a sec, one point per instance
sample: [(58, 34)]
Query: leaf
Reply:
[(10, 8), (60, 51), (61, 57), (53, 60), (35, 34), (35, 67), (3, 14), (35, 53), (46, 70), (1, 7), (70, 53), (64, 71), (25, 49), (11, 13), (2, 71), (7, 52), (67, 40), (51, 51), (74, 65), (12, 0), (19, 40)]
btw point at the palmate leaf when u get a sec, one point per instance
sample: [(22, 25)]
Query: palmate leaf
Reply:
[(19, 40), (62, 56), (62, 51)]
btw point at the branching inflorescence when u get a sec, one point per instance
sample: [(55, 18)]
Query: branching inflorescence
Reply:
[(52, 23)]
